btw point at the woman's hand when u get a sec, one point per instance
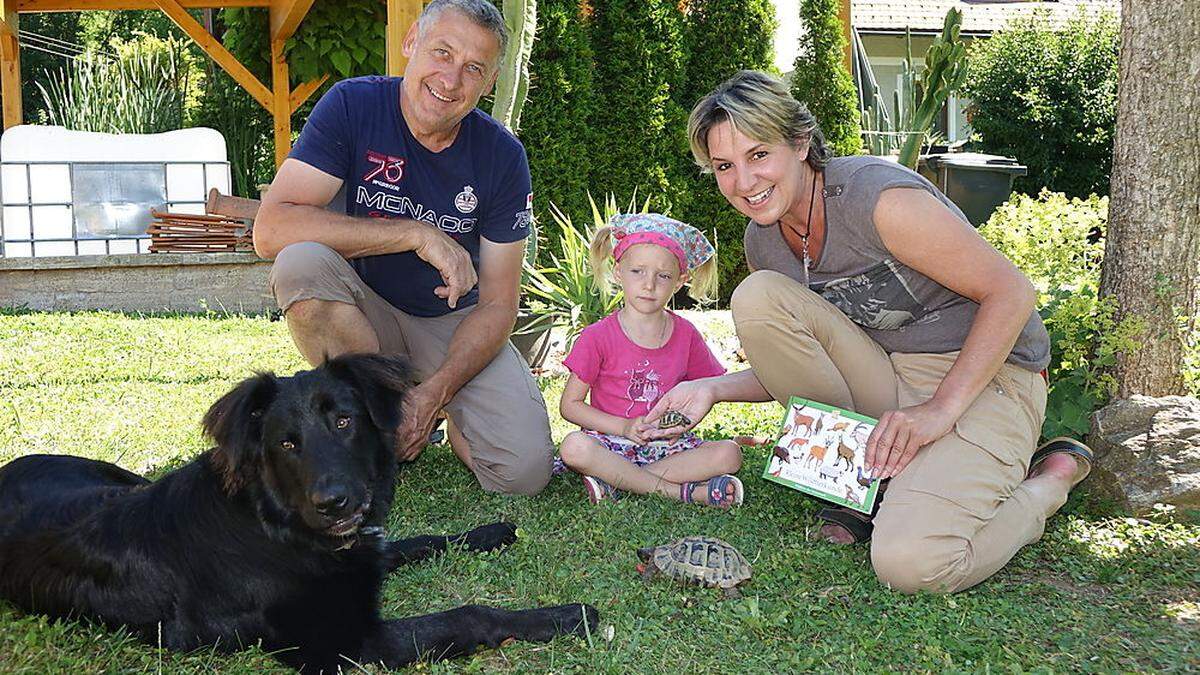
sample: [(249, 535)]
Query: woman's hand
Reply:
[(901, 433), (693, 399)]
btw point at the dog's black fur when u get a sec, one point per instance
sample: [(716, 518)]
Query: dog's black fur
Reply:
[(271, 537)]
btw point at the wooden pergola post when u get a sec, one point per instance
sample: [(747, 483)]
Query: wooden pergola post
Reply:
[(10, 63), (848, 34), (401, 15), (279, 99)]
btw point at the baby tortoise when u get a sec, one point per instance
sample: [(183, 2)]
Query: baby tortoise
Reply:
[(673, 418), (706, 561)]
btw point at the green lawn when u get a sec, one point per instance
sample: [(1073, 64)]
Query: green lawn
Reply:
[(1099, 593)]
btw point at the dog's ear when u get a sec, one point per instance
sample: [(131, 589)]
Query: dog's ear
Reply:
[(380, 381), (235, 422)]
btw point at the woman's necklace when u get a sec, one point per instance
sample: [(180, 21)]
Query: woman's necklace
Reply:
[(812, 198)]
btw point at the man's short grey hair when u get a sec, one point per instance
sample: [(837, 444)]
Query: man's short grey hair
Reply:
[(483, 13)]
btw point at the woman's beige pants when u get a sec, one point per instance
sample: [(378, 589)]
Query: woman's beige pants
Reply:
[(962, 509)]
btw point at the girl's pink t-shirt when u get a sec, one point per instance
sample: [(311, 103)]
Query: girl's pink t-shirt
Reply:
[(627, 379)]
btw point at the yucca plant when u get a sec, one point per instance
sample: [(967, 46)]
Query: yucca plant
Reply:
[(565, 292)]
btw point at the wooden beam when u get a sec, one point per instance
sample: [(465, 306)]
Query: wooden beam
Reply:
[(10, 65), (88, 5), (281, 104), (847, 33), (286, 16), (401, 15), (302, 91), (217, 51)]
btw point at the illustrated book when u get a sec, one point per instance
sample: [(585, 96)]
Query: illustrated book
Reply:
[(821, 451)]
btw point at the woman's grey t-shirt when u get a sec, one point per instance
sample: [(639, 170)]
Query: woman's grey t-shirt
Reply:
[(900, 308)]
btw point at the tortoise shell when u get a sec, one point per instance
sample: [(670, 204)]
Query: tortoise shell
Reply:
[(707, 561), (673, 418)]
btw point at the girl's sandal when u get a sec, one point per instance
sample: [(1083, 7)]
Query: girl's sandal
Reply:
[(598, 490), (716, 491)]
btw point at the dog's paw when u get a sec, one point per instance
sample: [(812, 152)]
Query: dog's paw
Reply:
[(491, 537), (577, 619), (584, 619)]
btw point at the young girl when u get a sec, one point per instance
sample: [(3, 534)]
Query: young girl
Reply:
[(628, 359)]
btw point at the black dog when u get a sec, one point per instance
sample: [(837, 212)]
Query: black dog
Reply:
[(272, 537)]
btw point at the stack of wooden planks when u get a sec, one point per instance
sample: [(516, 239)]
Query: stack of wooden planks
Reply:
[(192, 233)]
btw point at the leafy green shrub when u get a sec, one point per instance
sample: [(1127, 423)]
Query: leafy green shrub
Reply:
[(746, 29), (640, 61), (1049, 99), (1058, 243), (554, 126), (345, 38), (143, 89), (820, 79)]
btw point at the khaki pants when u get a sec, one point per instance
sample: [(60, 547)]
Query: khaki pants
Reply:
[(500, 411), (962, 508)]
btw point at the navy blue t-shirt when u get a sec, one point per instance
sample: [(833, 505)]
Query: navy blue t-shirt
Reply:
[(478, 186)]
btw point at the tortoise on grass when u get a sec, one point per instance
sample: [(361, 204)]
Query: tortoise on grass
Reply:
[(706, 561)]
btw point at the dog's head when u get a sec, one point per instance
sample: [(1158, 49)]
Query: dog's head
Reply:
[(317, 446)]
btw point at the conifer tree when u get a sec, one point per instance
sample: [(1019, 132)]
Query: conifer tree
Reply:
[(555, 124), (820, 79)]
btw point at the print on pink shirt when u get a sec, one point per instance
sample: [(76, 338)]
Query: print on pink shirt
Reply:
[(643, 386)]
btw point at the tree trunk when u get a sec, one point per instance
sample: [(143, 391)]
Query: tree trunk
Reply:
[(1152, 253)]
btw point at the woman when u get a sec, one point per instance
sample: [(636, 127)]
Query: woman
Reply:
[(871, 292)]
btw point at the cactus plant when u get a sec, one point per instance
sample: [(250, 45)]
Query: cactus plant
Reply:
[(512, 84), (918, 97), (945, 72)]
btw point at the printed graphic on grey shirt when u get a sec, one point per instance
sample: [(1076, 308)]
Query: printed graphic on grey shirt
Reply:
[(877, 298)]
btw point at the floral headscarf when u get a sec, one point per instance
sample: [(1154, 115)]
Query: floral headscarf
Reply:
[(688, 244)]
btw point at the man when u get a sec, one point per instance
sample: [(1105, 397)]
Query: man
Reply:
[(437, 198)]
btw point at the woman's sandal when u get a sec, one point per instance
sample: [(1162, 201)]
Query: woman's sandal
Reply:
[(598, 490), (858, 524), (715, 491), (1083, 456)]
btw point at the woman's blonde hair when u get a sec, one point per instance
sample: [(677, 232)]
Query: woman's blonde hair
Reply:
[(761, 107), (701, 282)]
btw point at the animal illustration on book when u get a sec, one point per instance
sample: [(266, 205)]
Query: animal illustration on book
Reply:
[(844, 452), (821, 450)]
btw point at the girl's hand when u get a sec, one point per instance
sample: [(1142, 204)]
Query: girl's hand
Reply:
[(901, 433), (693, 398), (634, 430)]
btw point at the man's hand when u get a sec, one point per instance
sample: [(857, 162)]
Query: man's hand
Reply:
[(420, 411), (693, 398), (901, 433), (451, 261)]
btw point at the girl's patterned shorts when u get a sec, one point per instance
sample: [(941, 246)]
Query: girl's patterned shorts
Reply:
[(639, 455)]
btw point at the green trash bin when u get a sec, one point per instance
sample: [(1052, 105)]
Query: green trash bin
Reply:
[(976, 182)]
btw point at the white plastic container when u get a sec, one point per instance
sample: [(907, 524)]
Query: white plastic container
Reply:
[(70, 192)]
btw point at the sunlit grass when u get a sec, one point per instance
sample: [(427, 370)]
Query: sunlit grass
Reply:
[(1098, 593)]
